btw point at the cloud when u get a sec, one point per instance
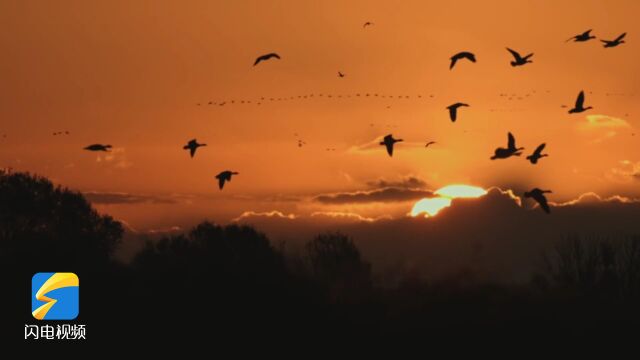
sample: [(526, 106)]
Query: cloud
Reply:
[(119, 198), (348, 216), (117, 158), (409, 182), (389, 194), (627, 171), (603, 122), (267, 214)]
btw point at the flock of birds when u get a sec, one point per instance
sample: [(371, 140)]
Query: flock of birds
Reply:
[(389, 141)]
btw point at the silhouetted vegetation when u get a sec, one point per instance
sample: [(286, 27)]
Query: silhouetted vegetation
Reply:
[(218, 283)]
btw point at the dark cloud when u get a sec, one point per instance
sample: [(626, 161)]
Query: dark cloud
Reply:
[(117, 198), (389, 194), (409, 182)]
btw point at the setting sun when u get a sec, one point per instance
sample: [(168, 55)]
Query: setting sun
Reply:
[(431, 206)]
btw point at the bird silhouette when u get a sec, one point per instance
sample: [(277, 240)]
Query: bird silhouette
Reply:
[(389, 141), (613, 43), (579, 106), (368, 23), (537, 154), (585, 36), (224, 177), (511, 150), (461, 55), (430, 143), (266, 57), (98, 147), (519, 60), (340, 74), (192, 145), (453, 110), (538, 195)]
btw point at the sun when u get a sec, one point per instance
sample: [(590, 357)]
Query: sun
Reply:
[(432, 206)]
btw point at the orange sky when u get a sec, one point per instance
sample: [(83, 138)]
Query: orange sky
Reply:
[(129, 73)]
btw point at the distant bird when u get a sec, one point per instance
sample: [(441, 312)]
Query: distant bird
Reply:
[(511, 150), (614, 43), (461, 55), (519, 60), (389, 141), (538, 195), (537, 154), (430, 143), (98, 147), (585, 36), (368, 23), (340, 74), (266, 57), (192, 145), (224, 176), (579, 106), (453, 110)]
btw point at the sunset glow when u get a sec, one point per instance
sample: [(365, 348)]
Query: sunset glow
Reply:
[(432, 206)]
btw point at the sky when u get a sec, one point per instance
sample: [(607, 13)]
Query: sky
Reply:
[(132, 73)]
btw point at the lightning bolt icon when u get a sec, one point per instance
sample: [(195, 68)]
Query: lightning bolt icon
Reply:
[(56, 281)]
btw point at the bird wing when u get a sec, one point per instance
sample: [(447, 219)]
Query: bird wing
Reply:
[(260, 58), (470, 56), (453, 62), (512, 141), (539, 149), (453, 114), (193, 151), (527, 57), (580, 100), (620, 37), (389, 146), (274, 55), (220, 182), (542, 200), (515, 54)]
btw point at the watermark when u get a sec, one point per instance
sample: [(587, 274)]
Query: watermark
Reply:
[(57, 332)]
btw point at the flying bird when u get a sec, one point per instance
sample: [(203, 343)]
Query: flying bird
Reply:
[(453, 110), (340, 74), (192, 145), (538, 195), (511, 150), (224, 176), (266, 57), (368, 23), (430, 143), (585, 36), (613, 43), (537, 154), (519, 60), (389, 141), (461, 55), (579, 106), (98, 147)]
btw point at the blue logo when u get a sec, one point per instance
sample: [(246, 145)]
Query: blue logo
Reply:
[(55, 296)]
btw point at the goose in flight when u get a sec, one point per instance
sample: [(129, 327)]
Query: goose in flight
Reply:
[(461, 55), (340, 74), (430, 143), (389, 141), (537, 154), (613, 43), (579, 107), (538, 195), (192, 145), (266, 57), (368, 23), (98, 147), (519, 60), (453, 110), (585, 36), (511, 150), (224, 177)]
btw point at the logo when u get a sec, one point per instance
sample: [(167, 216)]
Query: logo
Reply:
[(55, 296)]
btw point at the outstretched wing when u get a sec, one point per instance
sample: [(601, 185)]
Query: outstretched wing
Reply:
[(389, 146), (515, 54), (193, 151), (620, 37), (453, 113), (539, 149), (454, 59), (220, 181), (580, 100), (512, 141), (542, 200), (260, 58)]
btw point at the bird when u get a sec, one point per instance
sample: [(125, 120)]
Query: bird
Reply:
[(585, 36), (340, 74), (98, 147), (538, 195), (266, 57), (511, 150), (519, 60), (453, 110), (461, 55), (579, 106), (225, 176), (389, 141), (537, 154), (192, 145), (613, 43), (430, 143), (368, 23)]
